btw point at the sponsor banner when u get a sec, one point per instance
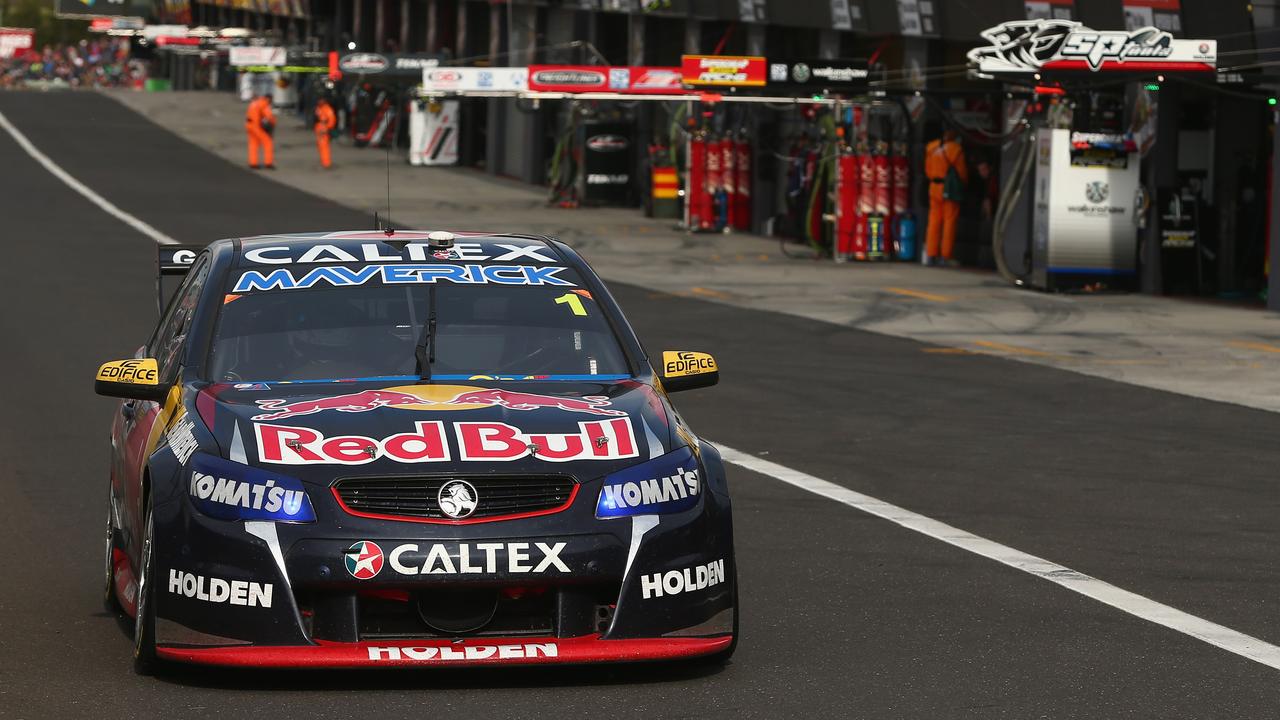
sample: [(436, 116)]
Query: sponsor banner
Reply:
[(666, 485), (456, 79), (412, 252), (678, 582), (723, 71), (1026, 47), (399, 64), (107, 24), (570, 78), (435, 398), (839, 74), (242, 593), (16, 42), (268, 56), (599, 78), (428, 442), (230, 491), (340, 276)]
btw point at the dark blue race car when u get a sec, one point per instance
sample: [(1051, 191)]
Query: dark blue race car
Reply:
[(380, 449)]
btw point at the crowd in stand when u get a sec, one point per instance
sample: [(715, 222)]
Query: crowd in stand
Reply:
[(88, 63)]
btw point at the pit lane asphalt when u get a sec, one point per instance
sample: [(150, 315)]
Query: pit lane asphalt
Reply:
[(844, 615)]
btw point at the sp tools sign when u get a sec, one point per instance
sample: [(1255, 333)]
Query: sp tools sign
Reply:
[(1026, 47), (723, 71)]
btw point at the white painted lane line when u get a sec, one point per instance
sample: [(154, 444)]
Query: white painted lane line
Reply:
[(1104, 592), (93, 197)]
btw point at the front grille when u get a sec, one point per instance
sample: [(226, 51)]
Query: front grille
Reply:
[(416, 498)]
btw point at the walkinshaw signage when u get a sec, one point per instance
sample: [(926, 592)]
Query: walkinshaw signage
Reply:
[(1026, 47), (836, 74), (724, 71)]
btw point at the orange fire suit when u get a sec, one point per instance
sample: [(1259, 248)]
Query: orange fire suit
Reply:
[(943, 213), (326, 121), (258, 115)]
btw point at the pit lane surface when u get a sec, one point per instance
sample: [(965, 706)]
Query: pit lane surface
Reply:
[(844, 614)]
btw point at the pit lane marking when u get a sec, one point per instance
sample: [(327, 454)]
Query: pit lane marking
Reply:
[(919, 294), (1259, 346), (104, 204), (1139, 606)]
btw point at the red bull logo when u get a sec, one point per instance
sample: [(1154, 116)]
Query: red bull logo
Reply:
[(435, 398), (610, 439)]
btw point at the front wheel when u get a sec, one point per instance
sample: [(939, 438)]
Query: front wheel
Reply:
[(144, 622)]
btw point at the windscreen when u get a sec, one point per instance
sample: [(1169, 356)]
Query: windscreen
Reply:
[(371, 330)]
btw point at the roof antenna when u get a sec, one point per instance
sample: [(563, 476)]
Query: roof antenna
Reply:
[(387, 228)]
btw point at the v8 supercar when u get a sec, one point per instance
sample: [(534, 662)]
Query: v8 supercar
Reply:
[(373, 449)]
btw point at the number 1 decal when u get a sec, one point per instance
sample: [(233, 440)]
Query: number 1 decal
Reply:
[(574, 303)]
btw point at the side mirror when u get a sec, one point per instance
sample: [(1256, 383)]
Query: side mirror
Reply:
[(137, 379), (684, 370)]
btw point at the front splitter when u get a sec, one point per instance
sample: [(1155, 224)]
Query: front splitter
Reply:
[(445, 653)]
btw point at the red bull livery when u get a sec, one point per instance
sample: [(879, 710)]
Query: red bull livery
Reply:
[(415, 449)]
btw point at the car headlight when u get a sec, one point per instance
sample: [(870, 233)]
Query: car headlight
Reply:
[(227, 490), (668, 484)]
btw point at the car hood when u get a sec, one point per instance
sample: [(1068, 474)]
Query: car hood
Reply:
[(320, 431)]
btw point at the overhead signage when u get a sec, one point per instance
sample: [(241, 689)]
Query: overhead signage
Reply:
[(15, 41), (839, 74), (101, 8), (601, 78), (1026, 47), (269, 56), (723, 71), (108, 24), (456, 79), (400, 64)]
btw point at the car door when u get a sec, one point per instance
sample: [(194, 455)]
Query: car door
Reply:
[(137, 429)]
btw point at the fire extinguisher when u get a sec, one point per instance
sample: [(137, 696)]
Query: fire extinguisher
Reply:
[(729, 180), (880, 201), (742, 183), (713, 181), (847, 182), (697, 204), (902, 225), (866, 202)]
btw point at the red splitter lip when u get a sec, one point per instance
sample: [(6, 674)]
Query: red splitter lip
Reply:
[(444, 653)]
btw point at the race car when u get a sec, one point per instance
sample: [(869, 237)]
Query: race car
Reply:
[(381, 448)]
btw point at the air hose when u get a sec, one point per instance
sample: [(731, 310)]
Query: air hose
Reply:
[(1009, 196)]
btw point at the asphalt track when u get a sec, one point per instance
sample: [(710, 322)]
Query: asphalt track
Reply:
[(845, 615)]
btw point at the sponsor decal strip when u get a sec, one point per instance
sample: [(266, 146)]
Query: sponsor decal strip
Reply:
[(677, 582), (242, 593), (374, 252), (340, 276)]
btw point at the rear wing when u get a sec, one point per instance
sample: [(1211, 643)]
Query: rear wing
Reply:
[(172, 262)]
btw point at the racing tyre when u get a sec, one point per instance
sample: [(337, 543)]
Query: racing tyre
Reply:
[(144, 623), (110, 602)]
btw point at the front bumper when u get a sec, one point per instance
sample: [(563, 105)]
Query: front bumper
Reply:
[(472, 652), (639, 589)]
